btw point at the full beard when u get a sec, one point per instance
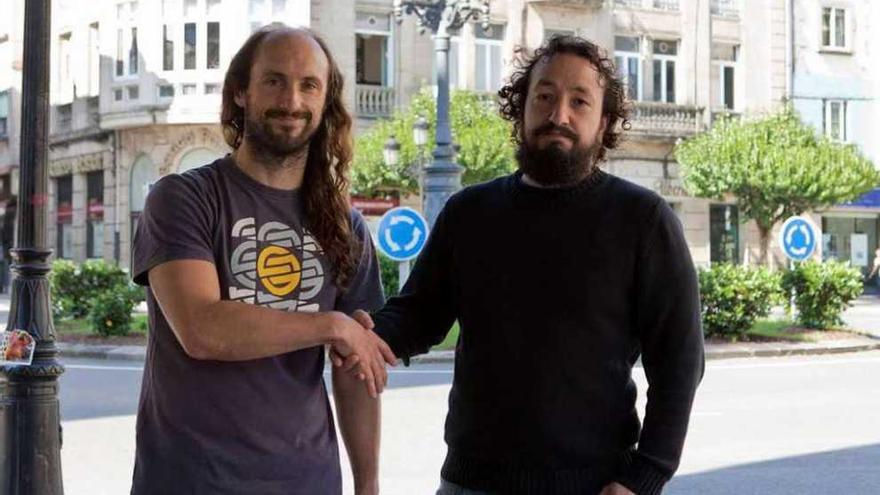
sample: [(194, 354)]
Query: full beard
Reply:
[(274, 149), (554, 166)]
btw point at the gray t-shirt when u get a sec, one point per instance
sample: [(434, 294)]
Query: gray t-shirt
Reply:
[(258, 427)]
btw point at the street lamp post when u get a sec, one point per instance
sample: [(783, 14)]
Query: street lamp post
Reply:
[(30, 427), (442, 17)]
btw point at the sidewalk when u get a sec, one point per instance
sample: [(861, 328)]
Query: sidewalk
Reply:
[(864, 316)]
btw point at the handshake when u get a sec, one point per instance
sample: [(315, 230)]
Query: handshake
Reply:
[(355, 348)]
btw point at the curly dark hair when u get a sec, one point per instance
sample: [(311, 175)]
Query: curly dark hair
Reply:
[(512, 97), (325, 186)]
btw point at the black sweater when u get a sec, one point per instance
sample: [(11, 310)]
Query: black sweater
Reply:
[(557, 293)]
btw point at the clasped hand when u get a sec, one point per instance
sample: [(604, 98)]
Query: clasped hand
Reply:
[(358, 350)]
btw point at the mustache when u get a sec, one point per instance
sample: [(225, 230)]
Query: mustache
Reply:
[(551, 128), (280, 113)]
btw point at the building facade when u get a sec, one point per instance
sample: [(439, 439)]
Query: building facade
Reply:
[(135, 90), (835, 88)]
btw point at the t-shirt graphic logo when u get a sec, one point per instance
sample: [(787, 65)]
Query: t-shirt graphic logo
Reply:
[(271, 261), (279, 270)]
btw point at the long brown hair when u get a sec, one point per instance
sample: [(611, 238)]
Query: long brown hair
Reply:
[(513, 96), (325, 188)]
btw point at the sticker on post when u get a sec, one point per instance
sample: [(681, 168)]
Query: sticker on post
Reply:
[(16, 348)]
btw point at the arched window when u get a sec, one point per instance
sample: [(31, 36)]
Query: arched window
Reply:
[(196, 158)]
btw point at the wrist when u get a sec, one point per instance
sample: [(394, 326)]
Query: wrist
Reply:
[(331, 331)]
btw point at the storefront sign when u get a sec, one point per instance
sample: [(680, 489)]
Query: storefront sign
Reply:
[(870, 199), (374, 207)]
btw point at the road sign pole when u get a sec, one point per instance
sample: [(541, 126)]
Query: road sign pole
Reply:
[(402, 274)]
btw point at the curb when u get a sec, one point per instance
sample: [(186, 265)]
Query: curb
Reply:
[(713, 352)]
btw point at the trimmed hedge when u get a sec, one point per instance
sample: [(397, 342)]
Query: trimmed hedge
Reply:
[(822, 291), (733, 297)]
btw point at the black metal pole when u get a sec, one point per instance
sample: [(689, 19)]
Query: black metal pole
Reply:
[(30, 422)]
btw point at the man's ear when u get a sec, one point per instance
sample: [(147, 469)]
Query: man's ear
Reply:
[(602, 127)]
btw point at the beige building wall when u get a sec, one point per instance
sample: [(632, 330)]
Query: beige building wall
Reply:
[(165, 129)]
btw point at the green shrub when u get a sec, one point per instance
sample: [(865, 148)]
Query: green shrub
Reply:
[(822, 291), (75, 287), (111, 313), (390, 275), (733, 297), (486, 149)]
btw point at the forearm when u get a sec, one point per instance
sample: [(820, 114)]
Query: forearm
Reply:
[(360, 424), (234, 331)]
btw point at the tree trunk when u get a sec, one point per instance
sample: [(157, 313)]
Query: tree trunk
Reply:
[(765, 246)]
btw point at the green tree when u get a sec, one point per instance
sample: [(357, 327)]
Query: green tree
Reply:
[(486, 150), (775, 167)]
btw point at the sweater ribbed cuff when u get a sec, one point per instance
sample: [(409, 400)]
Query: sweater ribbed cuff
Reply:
[(641, 476)]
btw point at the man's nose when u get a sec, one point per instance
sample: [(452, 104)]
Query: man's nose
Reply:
[(561, 115)]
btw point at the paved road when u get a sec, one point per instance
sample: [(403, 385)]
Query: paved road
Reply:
[(778, 426)]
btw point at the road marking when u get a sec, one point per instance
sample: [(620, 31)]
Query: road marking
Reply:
[(791, 364), (450, 371)]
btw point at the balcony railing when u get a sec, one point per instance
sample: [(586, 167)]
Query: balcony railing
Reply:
[(665, 119), (670, 5), (725, 8), (374, 101), (725, 114)]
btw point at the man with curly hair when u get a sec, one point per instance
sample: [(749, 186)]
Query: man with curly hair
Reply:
[(560, 276)]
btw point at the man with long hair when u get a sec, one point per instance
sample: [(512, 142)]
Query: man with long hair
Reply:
[(560, 276), (253, 263)]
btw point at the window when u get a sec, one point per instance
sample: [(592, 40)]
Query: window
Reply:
[(63, 61), (834, 27), (489, 44), (262, 12), (133, 52), (835, 119), (665, 53), (120, 62), (188, 89), (189, 46), (117, 94), (213, 45), (94, 59), (212, 89), (628, 58), (64, 216), (166, 91), (133, 92), (724, 61), (4, 114), (373, 49), (167, 48), (724, 234), (65, 117), (95, 214)]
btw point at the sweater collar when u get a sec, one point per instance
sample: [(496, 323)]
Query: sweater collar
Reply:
[(526, 193)]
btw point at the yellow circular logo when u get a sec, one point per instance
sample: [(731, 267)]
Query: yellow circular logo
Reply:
[(278, 270)]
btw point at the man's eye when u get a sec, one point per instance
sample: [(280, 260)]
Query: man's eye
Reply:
[(544, 97)]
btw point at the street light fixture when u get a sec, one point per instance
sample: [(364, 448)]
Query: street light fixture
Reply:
[(442, 17), (391, 152), (420, 131)]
